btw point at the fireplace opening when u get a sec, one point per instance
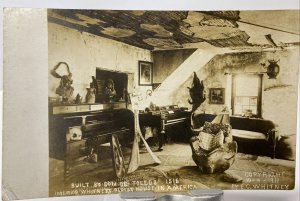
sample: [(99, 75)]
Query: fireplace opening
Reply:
[(111, 86)]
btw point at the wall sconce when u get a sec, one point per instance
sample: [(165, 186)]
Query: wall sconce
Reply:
[(148, 93), (272, 69)]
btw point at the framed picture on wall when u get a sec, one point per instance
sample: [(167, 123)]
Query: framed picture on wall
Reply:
[(217, 95), (145, 73)]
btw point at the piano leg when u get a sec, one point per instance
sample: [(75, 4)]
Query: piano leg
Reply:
[(161, 140), (66, 170), (66, 165), (161, 136)]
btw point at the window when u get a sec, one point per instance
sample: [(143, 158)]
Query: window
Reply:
[(246, 94)]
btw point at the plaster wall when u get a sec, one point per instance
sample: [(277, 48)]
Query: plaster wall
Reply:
[(279, 96), (85, 52)]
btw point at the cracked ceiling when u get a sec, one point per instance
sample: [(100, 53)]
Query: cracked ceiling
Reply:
[(158, 29)]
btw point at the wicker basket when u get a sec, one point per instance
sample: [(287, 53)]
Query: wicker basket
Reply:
[(210, 141)]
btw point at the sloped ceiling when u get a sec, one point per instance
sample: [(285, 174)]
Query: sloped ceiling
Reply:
[(160, 29), (288, 21)]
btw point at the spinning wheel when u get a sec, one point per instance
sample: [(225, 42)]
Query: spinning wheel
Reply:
[(118, 160)]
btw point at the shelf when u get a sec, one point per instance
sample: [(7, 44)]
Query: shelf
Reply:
[(76, 108)]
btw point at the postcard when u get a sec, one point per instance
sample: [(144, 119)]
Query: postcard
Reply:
[(145, 100)]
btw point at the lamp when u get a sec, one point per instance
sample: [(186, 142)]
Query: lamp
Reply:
[(272, 69)]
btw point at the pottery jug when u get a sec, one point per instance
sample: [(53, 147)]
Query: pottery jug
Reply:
[(90, 96)]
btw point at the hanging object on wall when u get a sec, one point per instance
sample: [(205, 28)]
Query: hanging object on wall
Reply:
[(148, 93), (272, 69), (65, 90), (197, 93)]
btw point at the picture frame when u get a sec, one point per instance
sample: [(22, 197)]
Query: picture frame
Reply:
[(217, 95), (145, 70)]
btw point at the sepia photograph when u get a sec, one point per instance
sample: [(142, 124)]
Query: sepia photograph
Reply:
[(160, 101), (215, 121)]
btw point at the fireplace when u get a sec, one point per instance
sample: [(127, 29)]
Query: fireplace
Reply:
[(111, 86)]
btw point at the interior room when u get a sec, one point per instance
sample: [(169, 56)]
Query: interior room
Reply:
[(172, 100)]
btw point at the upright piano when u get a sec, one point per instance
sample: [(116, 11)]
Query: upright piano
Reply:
[(76, 130)]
